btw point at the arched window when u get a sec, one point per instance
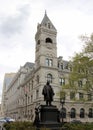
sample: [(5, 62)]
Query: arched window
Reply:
[(48, 40), (63, 113), (82, 113), (73, 113), (49, 77), (90, 115)]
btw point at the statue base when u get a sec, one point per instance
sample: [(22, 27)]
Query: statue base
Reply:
[(49, 117)]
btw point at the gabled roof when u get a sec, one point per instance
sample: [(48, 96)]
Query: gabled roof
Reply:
[(46, 20), (29, 64)]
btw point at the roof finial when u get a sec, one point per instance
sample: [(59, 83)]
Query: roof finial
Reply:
[(45, 12)]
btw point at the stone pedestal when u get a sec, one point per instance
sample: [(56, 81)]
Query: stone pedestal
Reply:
[(49, 117)]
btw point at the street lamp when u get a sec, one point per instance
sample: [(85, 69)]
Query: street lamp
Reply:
[(62, 101), (25, 105)]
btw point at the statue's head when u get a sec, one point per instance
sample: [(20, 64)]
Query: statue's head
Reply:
[(48, 82)]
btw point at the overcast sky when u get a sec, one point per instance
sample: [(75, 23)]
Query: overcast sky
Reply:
[(18, 25)]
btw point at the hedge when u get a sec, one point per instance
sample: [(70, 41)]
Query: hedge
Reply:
[(29, 126), (21, 126), (81, 126)]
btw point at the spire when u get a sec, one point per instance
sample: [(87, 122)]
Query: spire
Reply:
[(45, 12), (47, 21)]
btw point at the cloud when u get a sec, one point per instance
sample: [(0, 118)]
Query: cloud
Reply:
[(13, 24)]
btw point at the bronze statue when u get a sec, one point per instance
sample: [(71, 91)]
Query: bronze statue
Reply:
[(48, 93)]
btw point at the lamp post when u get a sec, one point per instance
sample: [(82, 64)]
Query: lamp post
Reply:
[(62, 101), (25, 105)]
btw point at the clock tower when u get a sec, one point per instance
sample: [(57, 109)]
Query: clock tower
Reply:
[(46, 54)]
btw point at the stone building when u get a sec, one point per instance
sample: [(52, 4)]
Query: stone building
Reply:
[(7, 79), (24, 92)]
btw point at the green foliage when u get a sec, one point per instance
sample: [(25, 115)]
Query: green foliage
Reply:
[(7, 126), (72, 126), (29, 126), (62, 95), (82, 66), (88, 44), (21, 126), (81, 70), (44, 129)]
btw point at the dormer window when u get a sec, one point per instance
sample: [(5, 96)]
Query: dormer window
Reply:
[(48, 40), (49, 25), (45, 24)]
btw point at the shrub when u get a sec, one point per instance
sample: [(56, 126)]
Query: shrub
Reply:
[(68, 126), (19, 126), (29, 126)]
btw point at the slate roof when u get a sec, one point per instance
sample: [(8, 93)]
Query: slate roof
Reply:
[(29, 64), (47, 20)]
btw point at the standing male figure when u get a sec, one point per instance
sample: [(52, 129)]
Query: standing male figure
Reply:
[(48, 93)]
